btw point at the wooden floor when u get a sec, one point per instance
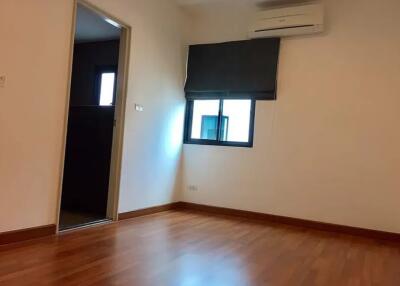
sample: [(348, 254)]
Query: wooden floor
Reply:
[(187, 248)]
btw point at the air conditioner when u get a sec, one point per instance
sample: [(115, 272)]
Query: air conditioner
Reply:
[(288, 21)]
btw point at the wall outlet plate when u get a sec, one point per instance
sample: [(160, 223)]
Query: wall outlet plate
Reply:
[(139, 107)]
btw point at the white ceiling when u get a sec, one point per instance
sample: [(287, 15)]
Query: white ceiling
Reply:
[(90, 27)]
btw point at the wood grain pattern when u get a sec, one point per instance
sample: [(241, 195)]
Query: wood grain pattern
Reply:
[(196, 248), (375, 234), (26, 234)]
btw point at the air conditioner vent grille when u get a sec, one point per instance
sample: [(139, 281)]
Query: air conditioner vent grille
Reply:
[(283, 28)]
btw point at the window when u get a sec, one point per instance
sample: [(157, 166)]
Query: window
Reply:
[(105, 85), (228, 122), (107, 82)]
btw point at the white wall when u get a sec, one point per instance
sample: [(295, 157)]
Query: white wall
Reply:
[(34, 50), (153, 138), (328, 148)]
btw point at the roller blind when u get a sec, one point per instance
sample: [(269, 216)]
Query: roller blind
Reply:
[(233, 69)]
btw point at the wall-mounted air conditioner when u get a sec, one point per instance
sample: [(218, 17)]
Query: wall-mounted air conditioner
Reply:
[(288, 21)]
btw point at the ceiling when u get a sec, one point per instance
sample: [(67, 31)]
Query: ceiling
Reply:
[(90, 27), (258, 3)]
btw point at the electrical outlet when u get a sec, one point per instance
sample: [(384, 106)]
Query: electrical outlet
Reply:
[(192, 188), (2, 80)]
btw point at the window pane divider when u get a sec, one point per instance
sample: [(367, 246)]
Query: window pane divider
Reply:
[(219, 124)]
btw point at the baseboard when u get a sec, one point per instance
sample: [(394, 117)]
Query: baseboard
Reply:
[(47, 230), (148, 211), (27, 234), (370, 233)]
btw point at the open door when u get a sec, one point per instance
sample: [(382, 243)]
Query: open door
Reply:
[(94, 124)]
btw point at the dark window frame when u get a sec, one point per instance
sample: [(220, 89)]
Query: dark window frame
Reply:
[(99, 71), (217, 142)]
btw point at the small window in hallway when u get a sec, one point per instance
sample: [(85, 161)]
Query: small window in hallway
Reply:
[(107, 82)]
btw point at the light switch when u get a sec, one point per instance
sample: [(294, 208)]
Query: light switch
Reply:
[(139, 107), (2, 80)]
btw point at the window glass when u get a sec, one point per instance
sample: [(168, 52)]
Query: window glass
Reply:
[(236, 117), (205, 119), (218, 121), (107, 82)]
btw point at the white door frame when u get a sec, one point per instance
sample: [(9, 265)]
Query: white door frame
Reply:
[(121, 94)]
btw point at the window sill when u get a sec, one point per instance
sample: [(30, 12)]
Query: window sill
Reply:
[(219, 143)]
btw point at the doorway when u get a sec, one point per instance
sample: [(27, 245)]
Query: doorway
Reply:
[(94, 126)]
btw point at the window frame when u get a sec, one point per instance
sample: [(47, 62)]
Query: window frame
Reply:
[(189, 120), (99, 71)]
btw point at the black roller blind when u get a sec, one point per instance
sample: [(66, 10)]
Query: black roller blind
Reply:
[(233, 69)]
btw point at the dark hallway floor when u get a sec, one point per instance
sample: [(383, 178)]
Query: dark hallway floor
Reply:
[(70, 219)]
